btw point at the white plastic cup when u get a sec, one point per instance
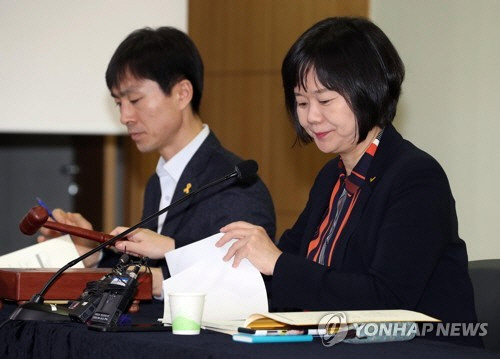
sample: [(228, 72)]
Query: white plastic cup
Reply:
[(186, 312)]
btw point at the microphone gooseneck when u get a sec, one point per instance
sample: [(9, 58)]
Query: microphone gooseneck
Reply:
[(244, 171)]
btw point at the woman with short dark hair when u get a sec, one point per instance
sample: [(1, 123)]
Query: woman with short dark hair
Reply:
[(379, 230)]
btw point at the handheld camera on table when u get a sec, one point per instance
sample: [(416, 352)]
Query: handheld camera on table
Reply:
[(104, 301)]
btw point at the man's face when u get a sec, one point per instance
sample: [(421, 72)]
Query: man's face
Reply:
[(153, 119)]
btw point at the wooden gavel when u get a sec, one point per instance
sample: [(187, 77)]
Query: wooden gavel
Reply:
[(38, 217)]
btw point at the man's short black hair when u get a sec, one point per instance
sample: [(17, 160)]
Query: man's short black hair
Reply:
[(165, 55)]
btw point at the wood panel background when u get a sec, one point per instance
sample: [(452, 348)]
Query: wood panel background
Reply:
[(243, 43)]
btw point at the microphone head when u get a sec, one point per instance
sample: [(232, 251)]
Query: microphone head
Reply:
[(124, 259), (246, 171)]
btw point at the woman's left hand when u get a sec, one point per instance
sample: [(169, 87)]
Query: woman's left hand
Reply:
[(252, 243)]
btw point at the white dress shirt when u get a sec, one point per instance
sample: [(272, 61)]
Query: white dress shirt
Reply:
[(170, 171)]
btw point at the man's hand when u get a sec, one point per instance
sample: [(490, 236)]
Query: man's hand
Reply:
[(144, 243), (82, 245)]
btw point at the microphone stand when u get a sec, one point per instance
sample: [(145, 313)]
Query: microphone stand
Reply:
[(36, 309)]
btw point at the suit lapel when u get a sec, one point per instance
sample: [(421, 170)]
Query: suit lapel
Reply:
[(176, 214), (351, 225), (189, 182), (391, 139), (151, 204)]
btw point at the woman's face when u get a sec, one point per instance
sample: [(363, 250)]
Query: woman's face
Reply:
[(326, 116)]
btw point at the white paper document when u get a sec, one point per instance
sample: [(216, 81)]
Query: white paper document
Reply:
[(53, 253), (231, 293)]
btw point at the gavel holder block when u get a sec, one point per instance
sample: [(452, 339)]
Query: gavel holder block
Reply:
[(20, 284)]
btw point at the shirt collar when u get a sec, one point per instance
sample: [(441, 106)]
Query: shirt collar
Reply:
[(175, 165)]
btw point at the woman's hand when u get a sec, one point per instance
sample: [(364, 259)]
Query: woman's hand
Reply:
[(144, 243), (252, 243), (82, 245)]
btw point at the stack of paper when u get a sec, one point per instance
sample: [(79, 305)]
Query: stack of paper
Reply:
[(54, 253), (232, 294)]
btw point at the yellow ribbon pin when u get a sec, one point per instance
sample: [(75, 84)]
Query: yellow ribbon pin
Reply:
[(187, 188)]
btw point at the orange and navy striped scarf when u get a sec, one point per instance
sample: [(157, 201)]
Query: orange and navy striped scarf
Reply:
[(342, 200)]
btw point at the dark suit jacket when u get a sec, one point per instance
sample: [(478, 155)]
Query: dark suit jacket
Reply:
[(400, 248), (205, 213)]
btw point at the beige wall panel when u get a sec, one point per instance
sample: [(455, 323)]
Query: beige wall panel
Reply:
[(290, 18), (235, 108), (255, 34), (243, 43), (232, 35)]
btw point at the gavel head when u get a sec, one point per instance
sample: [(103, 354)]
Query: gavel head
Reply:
[(34, 220)]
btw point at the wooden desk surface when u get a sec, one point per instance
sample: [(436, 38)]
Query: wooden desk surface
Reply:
[(21, 284)]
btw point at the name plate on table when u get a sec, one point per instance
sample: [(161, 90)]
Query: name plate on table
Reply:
[(20, 284)]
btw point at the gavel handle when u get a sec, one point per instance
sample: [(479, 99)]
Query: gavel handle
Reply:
[(78, 231)]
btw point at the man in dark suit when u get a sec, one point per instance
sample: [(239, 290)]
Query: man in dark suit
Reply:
[(156, 79)]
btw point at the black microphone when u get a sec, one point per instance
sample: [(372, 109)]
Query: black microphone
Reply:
[(246, 171), (35, 309)]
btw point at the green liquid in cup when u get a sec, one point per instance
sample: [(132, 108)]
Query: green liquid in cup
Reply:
[(183, 323)]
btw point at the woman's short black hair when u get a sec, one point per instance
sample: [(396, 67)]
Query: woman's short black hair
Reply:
[(165, 55), (353, 57)]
